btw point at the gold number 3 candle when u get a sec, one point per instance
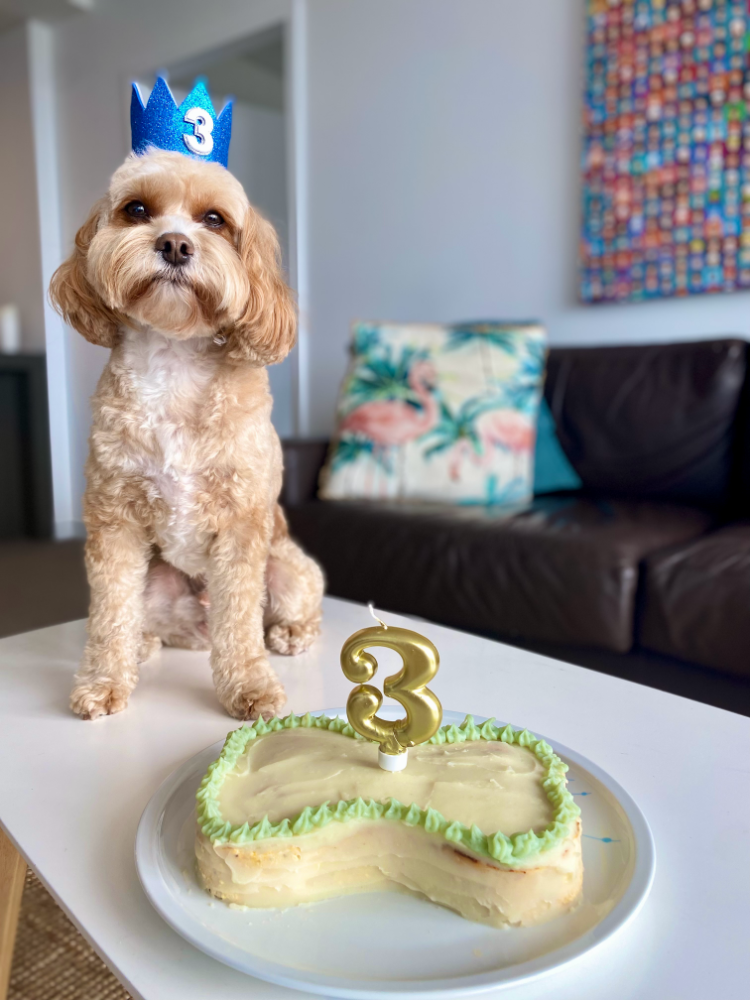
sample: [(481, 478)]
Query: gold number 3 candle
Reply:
[(424, 712)]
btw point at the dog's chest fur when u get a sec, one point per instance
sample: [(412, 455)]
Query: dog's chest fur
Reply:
[(172, 381)]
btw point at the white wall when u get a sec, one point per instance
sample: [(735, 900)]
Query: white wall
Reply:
[(444, 143), (20, 258), (257, 157)]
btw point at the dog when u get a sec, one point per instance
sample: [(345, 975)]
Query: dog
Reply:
[(186, 542)]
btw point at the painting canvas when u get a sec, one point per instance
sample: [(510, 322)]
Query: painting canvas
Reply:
[(666, 149)]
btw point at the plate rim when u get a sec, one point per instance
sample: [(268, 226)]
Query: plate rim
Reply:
[(148, 835)]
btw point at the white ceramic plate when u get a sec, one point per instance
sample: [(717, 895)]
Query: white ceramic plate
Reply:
[(386, 945)]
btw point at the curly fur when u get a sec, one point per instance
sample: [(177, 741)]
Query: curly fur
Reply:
[(186, 544)]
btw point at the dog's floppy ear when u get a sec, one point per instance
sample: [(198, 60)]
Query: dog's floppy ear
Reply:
[(73, 296), (265, 333)]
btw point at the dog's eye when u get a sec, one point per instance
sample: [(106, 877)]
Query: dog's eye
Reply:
[(213, 219), (136, 210)]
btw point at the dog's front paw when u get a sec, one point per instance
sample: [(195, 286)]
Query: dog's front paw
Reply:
[(94, 698), (291, 640), (258, 693)]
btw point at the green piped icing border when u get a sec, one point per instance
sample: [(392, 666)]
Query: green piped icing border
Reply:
[(510, 851)]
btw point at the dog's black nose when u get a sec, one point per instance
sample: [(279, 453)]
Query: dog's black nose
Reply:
[(175, 248)]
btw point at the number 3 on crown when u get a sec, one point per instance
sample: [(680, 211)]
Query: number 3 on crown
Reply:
[(424, 712), (201, 141)]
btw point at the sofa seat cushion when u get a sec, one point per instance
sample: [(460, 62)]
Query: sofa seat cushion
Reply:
[(697, 600), (563, 569)]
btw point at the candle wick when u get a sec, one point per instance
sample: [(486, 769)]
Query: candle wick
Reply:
[(371, 608)]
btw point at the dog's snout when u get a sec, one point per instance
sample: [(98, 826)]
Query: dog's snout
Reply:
[(175, 248)]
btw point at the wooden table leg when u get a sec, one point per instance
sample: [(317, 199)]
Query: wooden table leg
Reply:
[(12, 876)]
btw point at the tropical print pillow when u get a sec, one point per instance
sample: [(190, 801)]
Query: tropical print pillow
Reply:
[(445, 413)]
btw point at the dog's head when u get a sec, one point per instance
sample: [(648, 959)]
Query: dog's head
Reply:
[(175, 246)]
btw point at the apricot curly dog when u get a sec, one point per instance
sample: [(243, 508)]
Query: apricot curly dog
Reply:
[(187, 545)]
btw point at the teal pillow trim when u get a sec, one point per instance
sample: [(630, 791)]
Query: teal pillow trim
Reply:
[(552, 468)]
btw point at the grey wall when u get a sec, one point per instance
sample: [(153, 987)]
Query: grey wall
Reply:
[(257, 157), (444, 139), (20, 258)]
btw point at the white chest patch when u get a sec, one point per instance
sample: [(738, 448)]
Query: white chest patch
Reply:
[(171, 379)]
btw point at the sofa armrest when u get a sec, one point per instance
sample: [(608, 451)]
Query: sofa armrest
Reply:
[(303, 460)]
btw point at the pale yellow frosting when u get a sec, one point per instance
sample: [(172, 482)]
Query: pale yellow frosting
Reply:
[(495, 785)]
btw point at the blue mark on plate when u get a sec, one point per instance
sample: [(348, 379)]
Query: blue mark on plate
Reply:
[(604, 840), (580, 793)]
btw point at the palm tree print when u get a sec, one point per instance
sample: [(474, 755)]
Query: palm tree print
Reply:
[(522, 392), (349, 450), (456, 433), (381, 376), (366, 339)]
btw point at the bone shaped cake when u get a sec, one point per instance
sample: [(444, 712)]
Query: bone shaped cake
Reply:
[(297, 810)]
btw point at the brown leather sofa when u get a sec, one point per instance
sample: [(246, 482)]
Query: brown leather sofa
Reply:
[(643, 573)]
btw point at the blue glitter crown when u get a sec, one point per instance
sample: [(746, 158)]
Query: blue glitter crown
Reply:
[(193, 128)]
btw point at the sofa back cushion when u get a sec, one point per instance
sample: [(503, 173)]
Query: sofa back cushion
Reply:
[(651, 421)]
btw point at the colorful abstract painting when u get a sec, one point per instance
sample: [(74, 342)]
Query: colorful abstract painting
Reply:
[(440, 413), (666, 149)]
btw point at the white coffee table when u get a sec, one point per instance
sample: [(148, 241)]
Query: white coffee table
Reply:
[(72, 792)]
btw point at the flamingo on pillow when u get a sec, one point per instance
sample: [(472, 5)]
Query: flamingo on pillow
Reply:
[(506, 429), (392, 422)]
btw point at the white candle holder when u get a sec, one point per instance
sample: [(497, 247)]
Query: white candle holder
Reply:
[(393, 761)]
